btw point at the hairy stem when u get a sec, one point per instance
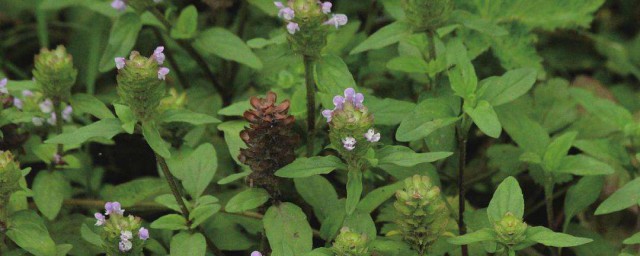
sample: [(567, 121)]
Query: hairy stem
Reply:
[(311, 104)]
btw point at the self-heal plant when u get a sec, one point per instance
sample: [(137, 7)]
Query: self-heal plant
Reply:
[(121, 235), (350, 243)]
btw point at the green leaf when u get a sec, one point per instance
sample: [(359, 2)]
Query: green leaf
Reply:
[(584, 165), (287, 230), (85, 103), (231, 131), (202, 212), (27, 230), (170, 222), (625, 197), (557, 150), (187, 24), (226, 45), (406, 157), (517, 50), (201, 167), (318, 192), (235, 109), (361, 222), (247, 200), (378, 196), (528, 134), (486, 119), (385, 36), (185, 244), (127, 118), (549, 238), (305, 167), (233, 177), (49, 191), (508, 87), (333, 76), (462, 77), (90, 236), (186, 116), (122, 38), (507, 198), (634, 239), (479, 24), (354, 190), (606, 110), (152, 136), (134, 191), (482, 235), (427, 117), (388, 111), (105, 128), (169, 201), (580, 196), (408, 64)]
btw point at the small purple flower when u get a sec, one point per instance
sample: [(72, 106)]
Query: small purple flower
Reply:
[(293, 27), (337, 20), (118, 5), (358, 100), (326, 7), (287, 13), (113, 208), (52, 119), (327, 113), (126, 235), (17, 103), (143, 234), (37, 121), (349, 95), (158, 55), (157, 1), (57, 159), (27, 93), (3, 86), (256, 253), (279, 5), (100, 219), (372, 136), (125, 245), (349, 143), (66, 113), (162, 73), (338, 101), (46, 106), (120, 62)]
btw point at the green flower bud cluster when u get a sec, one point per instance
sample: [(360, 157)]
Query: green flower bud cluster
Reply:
[(510, 230), (349, 243), (140, 85), (10, 175), (175, 100), (427, 15), (55, 73), (423, 213)]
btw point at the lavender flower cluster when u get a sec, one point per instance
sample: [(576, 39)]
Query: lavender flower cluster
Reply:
[(120, 5), (114, 210), (46, 106), (287, 13), (356, 101), (157, 55)]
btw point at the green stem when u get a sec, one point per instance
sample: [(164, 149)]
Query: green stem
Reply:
[(432, 57), (43, 33), (311, 104), (461, 134)]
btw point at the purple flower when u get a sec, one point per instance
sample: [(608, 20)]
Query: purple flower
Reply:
[(125, 245), (349, 143), (46, 106), (100, 219), (256, 253), (327, 113), (338, 101), (37, 121), (66, 113), (143, 234), (27, 93), (157, 1), (279, 5), (57, 159), (113, 207), (158, 55), (358, 100), (337, 20), (17, 103), (3, 86), (52, 119), (293, 27), (372, 136), (126, 235), (162, 73), (120, 62), (326, 7), (287, 13), (349, 95), (118, 5)]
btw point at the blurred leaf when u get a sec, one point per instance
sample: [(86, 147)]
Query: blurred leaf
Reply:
[(385, 36), (507, 198), (127, 118), (247, 200), (486, 119), (27, 230), (152, 136), (85, 103), (408, 64), (634, 239), (318, 192), (482, 235), (134, 191), (50, 190), (462, 77), (625, 197), (549, 238), (122, 38), (557, 151), (187, 24), (287, 229), (224, 44), (354, 190), (333, 76), (170, 222), (584, 166), (305, 167), (186, 116), (604, 109), (580, 196), (378, 196), (185, 244), (428, 116), (231, 131), (105, 128), (388, 111), (202, 165), (508, 87), (406, 157)]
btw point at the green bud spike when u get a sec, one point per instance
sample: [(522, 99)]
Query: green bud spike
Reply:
[(312, 34), (112, 231), (423, 213), (139, 86), (427, 15), (9, 181), (55, 73), (510, 229), (349, 243)]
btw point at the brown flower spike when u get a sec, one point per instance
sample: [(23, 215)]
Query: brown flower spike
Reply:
[(270, 141)]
